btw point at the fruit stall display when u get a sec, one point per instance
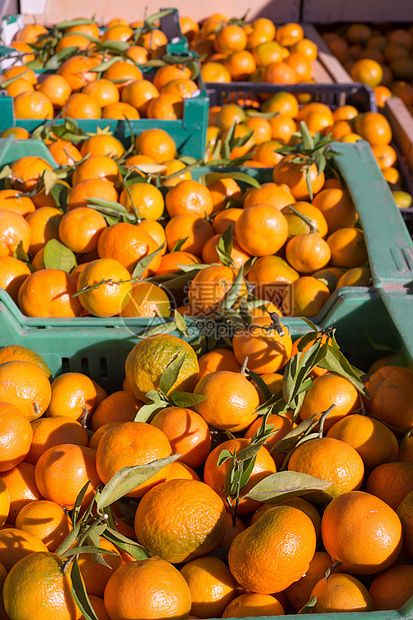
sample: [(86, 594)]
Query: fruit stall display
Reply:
[(206, 357)]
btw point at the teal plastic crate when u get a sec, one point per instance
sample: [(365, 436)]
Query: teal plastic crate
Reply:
[(380, 313)]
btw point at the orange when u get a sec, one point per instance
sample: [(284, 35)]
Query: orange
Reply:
[(96, 167), (171, 167), (209, 288), (305, 297), (98, 607), (230, 39), (181, 471), (218, 359), (95, 574), (132, 443), (4, 507), (189, 27), (373, 127), (110, 297), (13, 272), (77, 71), (392, 588), (230, 402), (361, 532), (73, 395), (156, 143), (118, 407), (56, 88), (26, 386), (48, 432), (74, 464), (277, 196), (374, 441), (210, 253), (47, 596), (150, 357), (180, 520), (16, 544), (348, 248), (117, 33), (102, 145), (298, 226), (90, 188), (15, 436), (270, 275), (20, 46), (14, 229), (163, 592), (187, 432), (390, 388), (282, 128), (280, 425), (337, 207), (168, 73), (138, 94), (49, 293), (252, 604), (189, 197), (167, 106), (64, 153), (44, 224), (405, 513), (72, 40), (229, 114), (266, 154), (261, 230), (126, 244), (81, 228), (307, 253), (32, 105), (211, 585), (147, 300), (120, 111), (80, 105), (171, 261), (279, 73), (30, 33), (405, 450), (299, 592), (328, 390), (103, 91), (224, 219), (21, 486), (329, 459), (215, 474), (274, 552), (195, 230), (341, 593), (288, 34), (295, 177), (266, 348), (90, 28), (368, 71), (46, 520), (143, 199), (19, 86), (284, 103), (122, 73), (241, 65), (391, 482), (385, 155)]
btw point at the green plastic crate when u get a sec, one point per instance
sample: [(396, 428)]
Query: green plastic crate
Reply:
[(380, 313)]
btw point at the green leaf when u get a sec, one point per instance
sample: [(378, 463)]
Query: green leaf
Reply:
[(128, 478), (226, 240), (291, 439), (78, 504), (285, 484), (234, 292), (186, 399), (181, 323), (20, 253), (336, 362), (104, 66), (69, 540), (60, 193), (149, 410), (178, 245), (108, 204), (170, 375), (144, 263), (72, 23), (115, 47), (308, 607), (79, 593), (88, 550), (164, 328), (307, 138), (58, 256), (56, 60), (137, 551), (211, 177), (260, 384)]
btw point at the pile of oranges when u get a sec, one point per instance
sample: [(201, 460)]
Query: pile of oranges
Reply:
[(380, 58), (295, 243), (351, 512), (78, 90)]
